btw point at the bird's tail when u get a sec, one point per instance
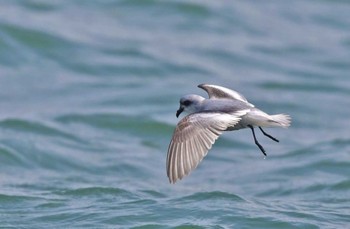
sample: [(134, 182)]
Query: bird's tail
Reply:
[(280, 120)]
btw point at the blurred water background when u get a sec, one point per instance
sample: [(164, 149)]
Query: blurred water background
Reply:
[(89, 91)]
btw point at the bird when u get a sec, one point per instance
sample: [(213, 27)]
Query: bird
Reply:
[(207, 119)]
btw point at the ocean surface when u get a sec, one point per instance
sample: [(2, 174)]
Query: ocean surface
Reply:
[(89, 91)]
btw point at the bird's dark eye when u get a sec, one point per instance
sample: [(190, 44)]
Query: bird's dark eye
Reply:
[(187, 102)]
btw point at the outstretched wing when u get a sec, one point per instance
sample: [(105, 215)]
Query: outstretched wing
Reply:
[(218, 92), (193, 137)]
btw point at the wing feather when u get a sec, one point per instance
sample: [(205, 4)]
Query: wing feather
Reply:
[(193, 137), (219, 92)]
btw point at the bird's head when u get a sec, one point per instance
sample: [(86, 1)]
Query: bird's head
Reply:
[(190, 104)]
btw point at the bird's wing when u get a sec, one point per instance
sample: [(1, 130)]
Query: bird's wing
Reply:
[(193, 137), (218, 92)]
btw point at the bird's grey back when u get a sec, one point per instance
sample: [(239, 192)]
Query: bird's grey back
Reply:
[(224, 105)]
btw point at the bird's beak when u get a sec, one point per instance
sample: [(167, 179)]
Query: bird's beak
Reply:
[(179, 111)]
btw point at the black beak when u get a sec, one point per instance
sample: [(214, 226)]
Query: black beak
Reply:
[(179, 111)]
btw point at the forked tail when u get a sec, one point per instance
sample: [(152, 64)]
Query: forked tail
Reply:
[(280, 120)]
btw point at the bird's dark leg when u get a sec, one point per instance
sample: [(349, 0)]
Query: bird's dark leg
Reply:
[(256, 141), (267, 135)]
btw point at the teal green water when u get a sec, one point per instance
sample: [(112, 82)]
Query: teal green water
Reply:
[(89, 91)]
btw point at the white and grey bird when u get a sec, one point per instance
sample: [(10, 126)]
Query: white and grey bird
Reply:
[(225, 110)]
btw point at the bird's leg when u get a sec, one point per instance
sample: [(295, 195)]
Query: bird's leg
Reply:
[(267, 135), (256, 141)]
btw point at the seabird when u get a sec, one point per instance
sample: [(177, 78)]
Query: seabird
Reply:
[(225, 110)]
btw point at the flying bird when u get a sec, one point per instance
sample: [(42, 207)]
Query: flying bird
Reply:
[(225, 110)]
